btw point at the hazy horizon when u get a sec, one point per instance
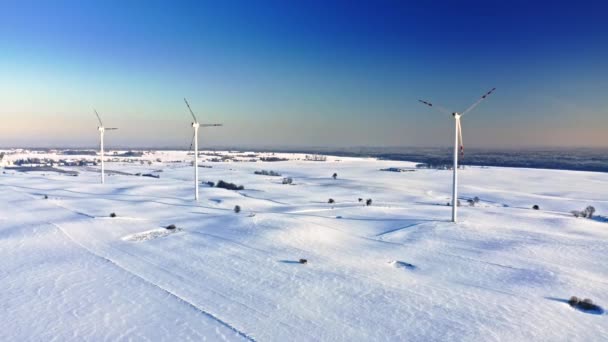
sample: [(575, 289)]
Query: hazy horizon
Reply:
[(294, 75)]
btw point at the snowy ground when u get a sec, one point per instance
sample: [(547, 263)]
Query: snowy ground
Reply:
[(396, 270)]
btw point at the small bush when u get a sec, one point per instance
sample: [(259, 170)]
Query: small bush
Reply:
[(303, 261), (171, 227), (237, 209), (471, 202), (113, 215), (590, 211), (573, 301), (46, 197), (577, 213), (287, 180), (267, 173), (587, 213), (334, 176), (476, 199), (360, 199), (331, 201), (368, 202), (535, 207), (229, 186), (585, 304)]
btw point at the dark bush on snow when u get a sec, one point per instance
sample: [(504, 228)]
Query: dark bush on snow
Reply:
[(170, 227), (368, 202), (587, 213), (590, 211), (360, 199), (303, 261), (210, 184), (334, 176), (273, 159), (46, 197), (267, 173), (536, 207), (573, 301), (237, 209), (113, 215), (287, 180), (229, 186), (471, 202), (577, 213), (331, 201), (585, 304)]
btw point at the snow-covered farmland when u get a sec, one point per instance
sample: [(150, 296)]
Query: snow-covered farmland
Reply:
[(396, 270)]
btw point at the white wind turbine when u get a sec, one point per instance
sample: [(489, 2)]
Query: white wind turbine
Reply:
[(102, 130), (457, 139), (196, 126)]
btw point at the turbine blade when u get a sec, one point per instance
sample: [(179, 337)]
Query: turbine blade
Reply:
[(460, 138), (211, 125), (439, 108), (98, 118), (478, 101), (111, 129), (191, 143), (190, 109)]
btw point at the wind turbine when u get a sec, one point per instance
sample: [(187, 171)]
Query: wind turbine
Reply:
[(102, 130), (196, 126), (457, 140)]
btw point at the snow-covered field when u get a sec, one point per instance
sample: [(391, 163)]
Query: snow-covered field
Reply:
[(397, 270)]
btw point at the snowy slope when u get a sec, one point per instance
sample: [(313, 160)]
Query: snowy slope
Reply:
[(396, 270)]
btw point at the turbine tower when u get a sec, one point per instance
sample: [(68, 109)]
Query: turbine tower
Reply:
[(196, 125), (102, 130), (457, 142)]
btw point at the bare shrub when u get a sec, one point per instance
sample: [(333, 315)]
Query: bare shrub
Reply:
[(590, 210), (573, 301), (229, 186)]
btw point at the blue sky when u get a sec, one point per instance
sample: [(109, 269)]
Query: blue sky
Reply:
[(303, 73)]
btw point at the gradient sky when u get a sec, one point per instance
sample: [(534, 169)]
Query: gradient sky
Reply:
[(303, 73)]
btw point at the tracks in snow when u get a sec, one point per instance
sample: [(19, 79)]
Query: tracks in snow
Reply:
[(167, 291)]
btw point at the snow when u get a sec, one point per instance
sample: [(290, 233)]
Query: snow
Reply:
[(395, 270)]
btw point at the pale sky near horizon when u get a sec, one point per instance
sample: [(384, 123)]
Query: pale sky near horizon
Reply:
[(312, 73)]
